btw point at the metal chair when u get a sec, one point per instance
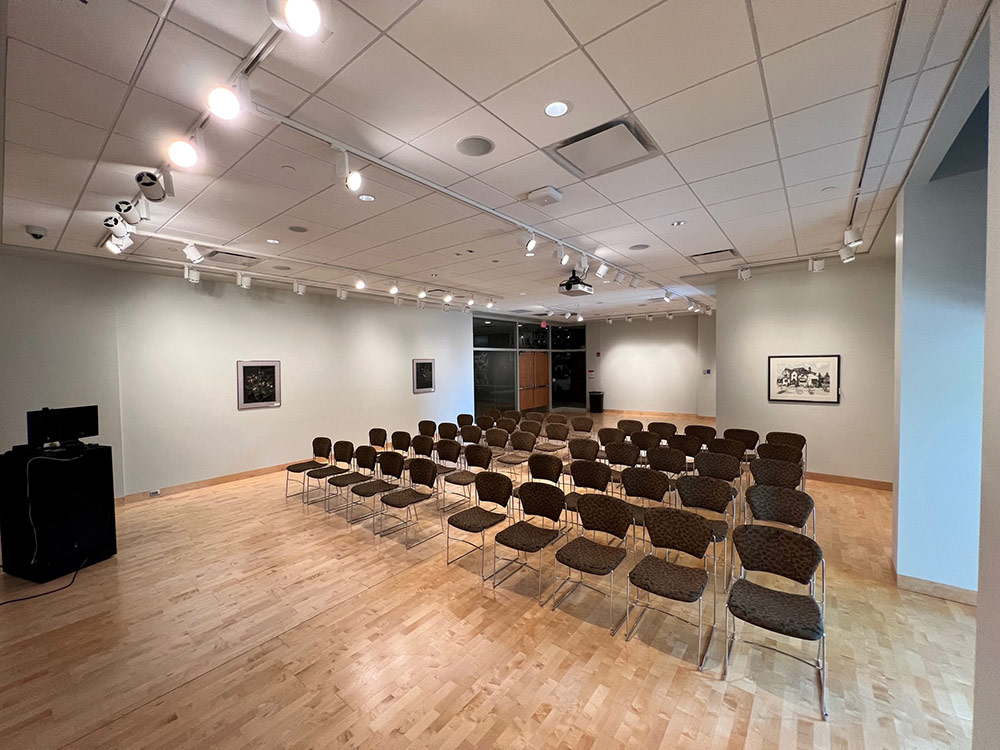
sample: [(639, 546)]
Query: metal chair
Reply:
[(580, 449), (587, 475), (492, 488), (423, 478), (477, 459), (447, 431), (321, 447), (496, 439), (534, 416), (702, 431), (556, 418), (400, 442), (621, 456), (495, 413), (730, 447), (427, 427), (645, 439), (471, 435), (670, 461), (512, 414), (377, 438), (607, 435), (463, 420), (581, 427), (521, 443), (781, 505), (690, 444), (643, 484), (485, 422), (343, 457), (663, 429), (365, 461), (390, 466), (532, 426), (628, 426), (799, 441), (508, 424), (539, 501), (715, 496), (775, 472), (554, 432), (749, 438), (780, 452)]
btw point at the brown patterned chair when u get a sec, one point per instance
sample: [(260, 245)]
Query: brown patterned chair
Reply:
[(663, 429), (365, 461), (621, 456), (427, 427), (496, 439), (390, 467), (422, 447), (540, 502), (534, 416), (628, 426), (775, 472), (377, 438), (587, 475), (321, 448), (580, 449), (607, 435), (690, 444), (447, 431), (599, 514), (679, 531), (485, 422), (495, 413), (532, 426), (343, 458), (508, 424), (792, 438), (512, 414), (493, 488), (556, 436), (643, 484), (423, 479), (781, 505), (400, 441), (712, 495), (780, 452), (749, 438), (581, 427), (556, 418), (477, 460), (795, 557), (464, 420), (702, 431), (522, 443), (728, 446), (448, 453), (645, 439), (470, 434), (671, 461)]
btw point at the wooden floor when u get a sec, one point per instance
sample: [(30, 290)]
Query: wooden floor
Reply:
[(234, 618)]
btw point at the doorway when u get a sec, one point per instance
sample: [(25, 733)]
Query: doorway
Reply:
[(533, 381)]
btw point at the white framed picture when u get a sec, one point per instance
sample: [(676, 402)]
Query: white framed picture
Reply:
[(807, 379), (258, 384)]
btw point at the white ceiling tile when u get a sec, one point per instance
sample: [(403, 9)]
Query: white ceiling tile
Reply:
[(597, 219), (782, 23), (698, 234), (684, 42), (90, 35), (663, 202), (894, 102), (122, 158), (591, 18), (327, 118), (832, 122), (760, 229), (478, 191), (425, 165), (61, 192), (226, 143), (44, 131), (69, 90), (827, 189), (278, 229), (823, 162), (639, 179), (741, 208), (391, 89), (931, 87), (724, 104), (573, 80), (532, 36), (818, 70), (575, 198), (420, 215), (442, 141), (872, 178), (28, 162), (388, 178), (810, 217), (151, 118), (382, 13), (910, 138), (234, 25), (740, 183), (463, 209), (954, 31), (621, 237), (895, 173), (210, 229), (919, 21), (884, 199), (556, 229), (274, 93), (184, 68), (285, 166), (280, 267), (521, 176), (268, 198), (727, 153), (321, 251), (18, 213), (326, 212)]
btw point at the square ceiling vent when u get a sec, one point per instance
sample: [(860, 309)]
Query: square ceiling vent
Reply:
[(231, 259), (607, 147)]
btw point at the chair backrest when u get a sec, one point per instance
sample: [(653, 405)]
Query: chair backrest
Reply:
[(787, 438), (478, 455), (591, 475), (534, 416), (749, 438), (628, 426), (471, 434), (704, 492), (343, 451), (495, 413), (718, 465), (556, 431), (427, 427), (522, 441), (645, 439), (702, 431), (690, 444), (542, 499), (447, 430), (512, 414), (663, 429), (557, 418), (725, 445), (646, 483), (672, 528), (780, 451), (622, 454), (779, 551), (423, 471), (605, 513), (779, 505), (506, 423), (449, 450), (390, 463), (423, 445), (584, 449), (401, 440), (497, 437), (778, 473), (365, 456), (322, 446), (665, 458), (607, 435), (532, 426), (485, 421), (493, 487), (545, 466), (582, 424), (377, 437), (464, 419)]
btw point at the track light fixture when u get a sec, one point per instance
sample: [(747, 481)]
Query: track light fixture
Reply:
[(852, 237), (529, 246), (610, 321), (568, 315), (151, 187), (117, 245), (421, 304), (341, 294), (185, 154), (561, 255), (359, 283), (397, 301), (299, 288), (394, 288), (649, 318), (602, 270), (352, 178), (447, 297), (192, 274), (619, 277), (116, 226), (847, 254), (243, 280), (227, 102), (628, 318), (816, 265), (709, 312), (193, 254), (489, 304), (579, 317), (584, 263), (670, 316), (422, 293), (471, 301), (667, 296), (634, 283), (690, 306), (302, 17), (744, 273), (128, 212)]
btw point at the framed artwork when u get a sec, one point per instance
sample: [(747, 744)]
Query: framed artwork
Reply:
[(258, 384), (806, 379), (423, 375)]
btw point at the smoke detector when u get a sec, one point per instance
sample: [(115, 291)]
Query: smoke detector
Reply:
[(545, 196)]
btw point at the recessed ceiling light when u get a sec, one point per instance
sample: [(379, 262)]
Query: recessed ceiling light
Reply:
[(828, 188), (296, 228), (678, 223), (288, 167), (366, 198), (489, 322), (523, 293), (556, 109), (606, 281), (475, 145), (282, 268), (273, 242), (638, 247)]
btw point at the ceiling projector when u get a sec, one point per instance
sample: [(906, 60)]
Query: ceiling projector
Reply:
[(575, 287)]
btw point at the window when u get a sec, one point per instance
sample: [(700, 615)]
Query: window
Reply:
[(569, 337), (532, 336), (488, 333)]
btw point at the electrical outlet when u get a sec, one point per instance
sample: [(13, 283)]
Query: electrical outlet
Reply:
[(154, 493)]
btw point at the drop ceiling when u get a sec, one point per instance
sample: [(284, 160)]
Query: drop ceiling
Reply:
[(761, 111)]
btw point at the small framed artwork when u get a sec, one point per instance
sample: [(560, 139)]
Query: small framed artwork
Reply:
[(423, 375), (806, 379), (258, 384)]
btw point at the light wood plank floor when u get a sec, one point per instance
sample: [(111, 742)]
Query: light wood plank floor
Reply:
[(233, 617)]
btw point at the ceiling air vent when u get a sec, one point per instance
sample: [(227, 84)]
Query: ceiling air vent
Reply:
[(521, 312), (715, 255), (231, 259), (607, 147)]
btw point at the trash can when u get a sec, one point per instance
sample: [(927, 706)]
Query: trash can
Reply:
[(597, 402)]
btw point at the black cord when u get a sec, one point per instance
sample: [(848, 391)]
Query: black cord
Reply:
[(45, 593)]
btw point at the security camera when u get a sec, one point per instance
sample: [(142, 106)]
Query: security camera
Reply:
[(36, 232)]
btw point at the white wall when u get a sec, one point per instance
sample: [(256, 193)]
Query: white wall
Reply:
[(706, 364), (646, 366), (845, 310), (345, 366)]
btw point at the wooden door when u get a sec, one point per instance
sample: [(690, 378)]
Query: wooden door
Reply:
[(533, 380)]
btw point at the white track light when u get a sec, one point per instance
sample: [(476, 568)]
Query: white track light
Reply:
[(628, 318), (193, 253), (471, 301), (667, 296), (223, 103), (184, 153), (561, 255), (817, 264), (360, 283), (422, 293), (529, 246), (128, 211), (299, 288), (847, 254), (117, 245), (690, 306), (649, 318), (634, 283), (243, 280), (397, 301), (489, 304), (619, 277), (192, 274), (151, 187), (116, 226), (352, 179), (394, 288), (579, 317), (852, 237), (709, 312), (610, 321), (568, 315), (584, 263), (341, 294), (744, 274), (302, 17), (670, 316), (602, 270), (447, 297)]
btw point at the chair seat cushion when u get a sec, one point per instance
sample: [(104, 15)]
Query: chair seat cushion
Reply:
[(535, 479), (573, 435), (795, 615), (525, 537), (573, 500), (588, 556), (681, 583), (720, 529), (403, 498), (514, 458), (445, 469), (370, 489), (326, 471), (463, 478), (549, 447), (343, 480), (304, 466), (475, 520), (497, 451)]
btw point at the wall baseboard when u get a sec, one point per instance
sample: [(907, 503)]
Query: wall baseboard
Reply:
[(938, 590), (177, 489), (872, 484), (656, 413)]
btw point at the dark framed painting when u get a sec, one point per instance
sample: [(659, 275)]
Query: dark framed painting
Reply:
[(423, 375), (810, 379), (258, 384)]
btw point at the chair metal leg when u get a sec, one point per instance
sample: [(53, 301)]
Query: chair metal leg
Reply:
[(822, 676)]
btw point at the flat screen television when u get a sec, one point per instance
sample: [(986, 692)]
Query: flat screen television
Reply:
[(61, 425)]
